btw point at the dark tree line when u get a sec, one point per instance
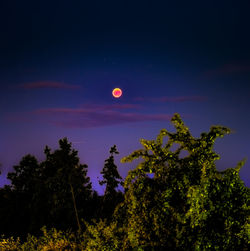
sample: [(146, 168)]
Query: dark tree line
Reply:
[(170, 202), (55, 193)]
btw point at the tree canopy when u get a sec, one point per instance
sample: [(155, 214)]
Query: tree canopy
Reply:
[(182, 203)]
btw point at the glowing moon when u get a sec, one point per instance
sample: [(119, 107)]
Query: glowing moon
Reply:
[(117, 92)]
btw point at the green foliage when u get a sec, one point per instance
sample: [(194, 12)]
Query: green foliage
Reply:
[(9, 244), (49, 240), (102, 236), (185, 203)]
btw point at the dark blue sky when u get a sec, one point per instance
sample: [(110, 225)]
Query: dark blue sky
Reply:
[(60, 60)]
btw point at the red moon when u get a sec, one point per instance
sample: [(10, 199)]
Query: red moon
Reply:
[(117, 92)]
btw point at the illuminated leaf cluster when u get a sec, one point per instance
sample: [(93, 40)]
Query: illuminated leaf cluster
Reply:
[(174, 201)]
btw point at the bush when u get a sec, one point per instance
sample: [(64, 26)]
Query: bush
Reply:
[(9, 243)]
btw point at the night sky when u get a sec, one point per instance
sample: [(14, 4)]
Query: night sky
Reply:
[(60, 61)]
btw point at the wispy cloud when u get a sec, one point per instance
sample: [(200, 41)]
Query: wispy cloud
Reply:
[(96, 116), (88, 108), (48, 84), (228, 69), (112, 106), (171, 99), (104, 119)]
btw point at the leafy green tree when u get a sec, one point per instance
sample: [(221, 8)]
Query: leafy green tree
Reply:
[(102, 236), (183, 203)]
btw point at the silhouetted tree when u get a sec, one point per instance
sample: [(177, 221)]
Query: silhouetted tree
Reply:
[(110, 174), (55, 193), (68, 186), (112, 179), (6, 211), (21, 196), (26, 175)]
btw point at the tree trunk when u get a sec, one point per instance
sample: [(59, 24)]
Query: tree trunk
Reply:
[(74, 202)]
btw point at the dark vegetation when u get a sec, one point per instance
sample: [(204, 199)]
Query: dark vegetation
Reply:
[(169, 202)]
